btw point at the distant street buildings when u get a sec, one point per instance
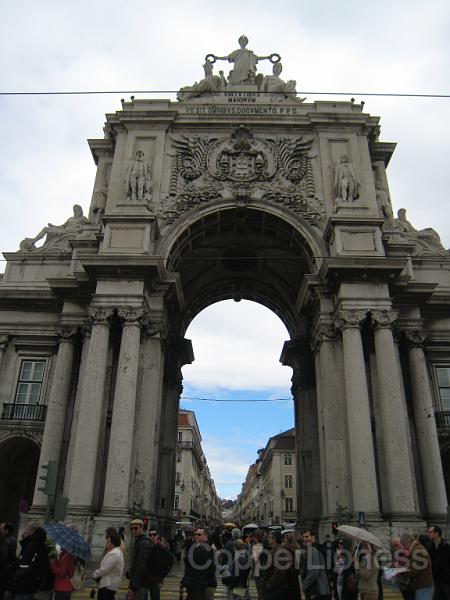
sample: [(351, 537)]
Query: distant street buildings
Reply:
[(195, 499), (269, 493)]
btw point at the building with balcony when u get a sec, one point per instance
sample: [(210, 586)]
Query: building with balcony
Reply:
[(269, 493), (195, 499)]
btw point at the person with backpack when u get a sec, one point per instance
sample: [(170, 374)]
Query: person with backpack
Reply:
[(33, 563), (63, 568), (111, 567)]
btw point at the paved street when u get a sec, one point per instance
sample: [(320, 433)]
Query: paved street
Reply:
[(171, 590)]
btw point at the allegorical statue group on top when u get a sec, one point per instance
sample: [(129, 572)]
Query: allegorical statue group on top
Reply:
[(242, 75), (241, 165)]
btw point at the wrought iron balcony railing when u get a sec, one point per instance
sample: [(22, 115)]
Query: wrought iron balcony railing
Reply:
[(443, 419), (23, 412)]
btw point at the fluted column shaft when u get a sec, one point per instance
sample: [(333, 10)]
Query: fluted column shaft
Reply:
[(57, 407), (400, 482), (427, 438), (82, 477), (122, 426), (362, 458)]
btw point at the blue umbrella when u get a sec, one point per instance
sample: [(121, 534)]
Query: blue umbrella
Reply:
[(69, 540)]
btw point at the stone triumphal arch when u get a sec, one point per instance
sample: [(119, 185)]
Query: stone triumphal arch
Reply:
[(240, 189)]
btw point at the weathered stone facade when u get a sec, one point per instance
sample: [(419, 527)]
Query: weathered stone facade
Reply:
[(239, 190)]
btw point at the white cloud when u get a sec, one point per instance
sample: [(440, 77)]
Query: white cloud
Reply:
[(242, 352)]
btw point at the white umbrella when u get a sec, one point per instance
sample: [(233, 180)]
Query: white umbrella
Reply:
[(361, 534)]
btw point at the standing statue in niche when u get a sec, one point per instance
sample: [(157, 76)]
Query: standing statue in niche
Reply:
[(138, 179), (345, 181), (384, 203), (56, 233)]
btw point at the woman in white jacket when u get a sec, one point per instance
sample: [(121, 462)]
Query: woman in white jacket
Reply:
[(110, 571)]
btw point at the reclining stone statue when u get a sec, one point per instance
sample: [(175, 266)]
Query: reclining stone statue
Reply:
[(57, 236)]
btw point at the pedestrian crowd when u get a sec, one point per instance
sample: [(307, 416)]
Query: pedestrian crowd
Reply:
[(288, 567)]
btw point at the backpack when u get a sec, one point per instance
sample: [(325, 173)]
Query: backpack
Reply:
[(161, 561), (79, 575)]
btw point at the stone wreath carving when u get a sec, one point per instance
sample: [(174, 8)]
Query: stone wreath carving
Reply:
[(243, 167)]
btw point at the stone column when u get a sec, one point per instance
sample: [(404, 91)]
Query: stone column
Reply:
[(178, 354), (362, 457), (297, 354), (426, 432), (122, 426), (4, 339), (57, 406), (149, 419), (400, 483), (330, 401), (174, 389), (85, 332), (86, 445)]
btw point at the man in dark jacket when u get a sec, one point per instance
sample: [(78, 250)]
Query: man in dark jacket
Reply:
[(439, 551), (139, 573), (199, 567), (32, 565)]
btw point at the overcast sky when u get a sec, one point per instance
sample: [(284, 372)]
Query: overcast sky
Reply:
[(355, 47)]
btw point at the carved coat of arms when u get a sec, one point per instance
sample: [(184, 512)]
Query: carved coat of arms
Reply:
[(243, 166)]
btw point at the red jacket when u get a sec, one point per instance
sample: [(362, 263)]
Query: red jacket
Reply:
[(63, 569)]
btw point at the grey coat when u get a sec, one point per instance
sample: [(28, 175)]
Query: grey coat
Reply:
[(314, 574)]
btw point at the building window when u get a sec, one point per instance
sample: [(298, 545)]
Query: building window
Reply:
[(178, 456), (288, 481), (30, 382), (443, 380), (288, 459), (180, 436), (176, 502), (289, 505), (177, 478)]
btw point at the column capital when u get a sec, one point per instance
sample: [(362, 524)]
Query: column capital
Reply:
[(67, 333), (131, 316), (383, 319), (100, 315), (152, 328), (414, 338), (4, 340), (350, 319), (325, 331)]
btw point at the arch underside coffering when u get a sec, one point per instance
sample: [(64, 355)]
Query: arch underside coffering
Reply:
[(241, 253)]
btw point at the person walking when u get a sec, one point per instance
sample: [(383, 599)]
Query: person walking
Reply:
[(257, 548), (439, 551), (111, 567), (292, 591), (367, 569), (32, 564), (274, 577), (198, 563), (63, 568), (315, 582), (420, 571), (139, 573)]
